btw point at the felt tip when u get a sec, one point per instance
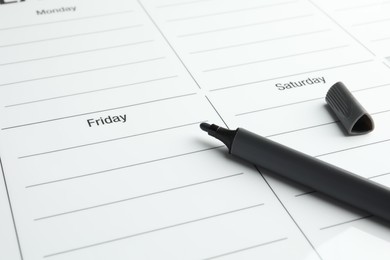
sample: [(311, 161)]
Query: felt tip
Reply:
[(205, 127)]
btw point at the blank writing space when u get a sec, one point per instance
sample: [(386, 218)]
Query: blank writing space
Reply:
[(121, 167), (239, 225), (294, 43), (71, 35), (247, 39), (238, 27), (78, 62), (275, 58), (51, 31), (78, 52), (99, 39), (189, 222), (140, 181), (155, 193), (243, 44), (85, 71), (93, 91), (232, 11), (231, 18), (172, 203), (85, 61)]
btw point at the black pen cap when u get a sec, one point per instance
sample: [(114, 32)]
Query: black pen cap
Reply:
[(348, 110)]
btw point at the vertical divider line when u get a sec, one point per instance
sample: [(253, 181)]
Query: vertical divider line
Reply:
[(341, 27), (288, 212), (387, 65), (169, 44), (11, 210), (177, 55), (217, 112)]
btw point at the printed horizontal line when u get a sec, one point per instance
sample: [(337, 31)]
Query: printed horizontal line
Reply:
[(138, 197), (274, 107), (153, 230), (275, 58), (349, 8), (123, 167), (95, 112), (72, 35), (380, 112), (352, 148), (259, 41), (67, 20), (305, 101), (78, 52), (346, 222), (302, 129), (371, 22), (372, 87), (320, 125), (381, 39), (109, 140), (246, 248), (182, 3), (379, 175), (244, 25), (291, 75), (229, 11), (305, 193), (92, 91), (84, 71)]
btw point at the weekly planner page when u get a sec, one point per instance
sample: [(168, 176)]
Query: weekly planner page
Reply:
[(101, 152)]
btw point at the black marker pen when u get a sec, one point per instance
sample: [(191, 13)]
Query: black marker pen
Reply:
[(310, 171)]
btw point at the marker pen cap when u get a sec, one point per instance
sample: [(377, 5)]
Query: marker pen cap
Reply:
[(348, 110)]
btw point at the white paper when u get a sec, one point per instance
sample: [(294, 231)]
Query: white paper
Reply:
[(100, 143)]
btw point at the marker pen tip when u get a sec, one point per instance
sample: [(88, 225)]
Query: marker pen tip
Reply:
[(205, 127)]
